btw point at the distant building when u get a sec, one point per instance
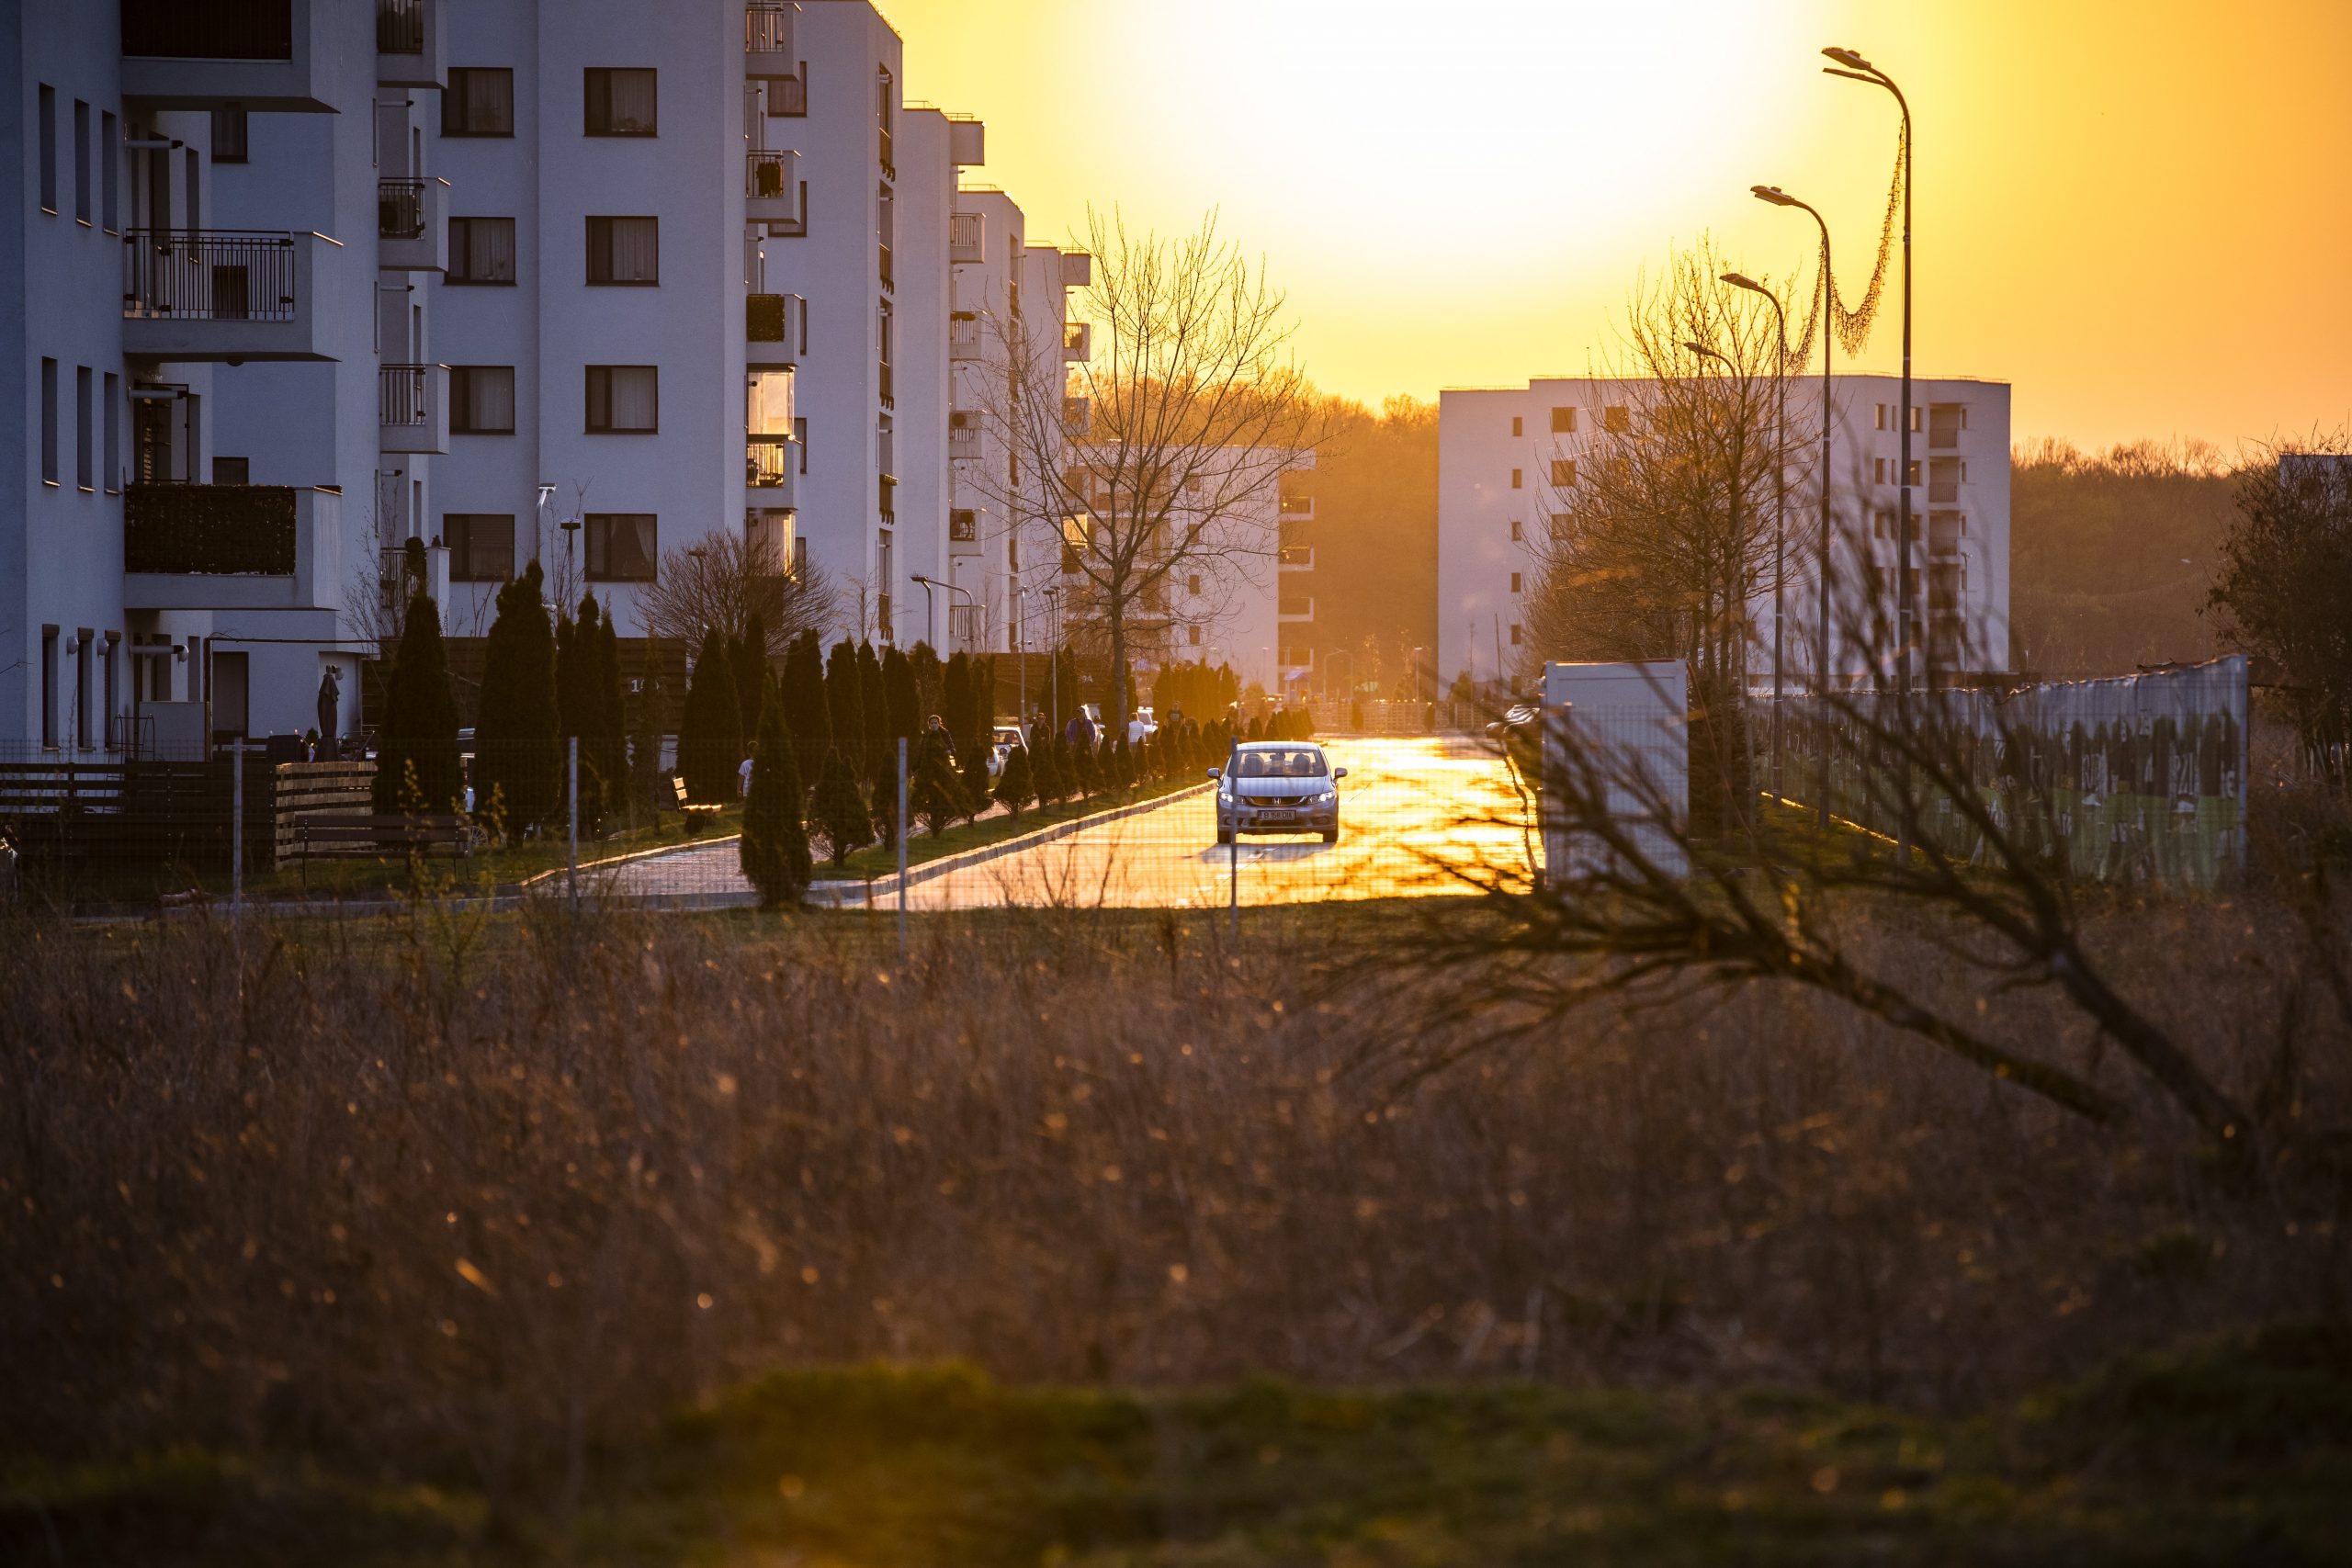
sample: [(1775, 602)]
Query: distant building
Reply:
[(1501, 450)]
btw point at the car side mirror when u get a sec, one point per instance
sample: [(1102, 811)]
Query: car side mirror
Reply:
[(1339, 774), (1215, 772)]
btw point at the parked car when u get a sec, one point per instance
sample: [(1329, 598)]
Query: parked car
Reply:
[(1277, 786), (1001, 745)]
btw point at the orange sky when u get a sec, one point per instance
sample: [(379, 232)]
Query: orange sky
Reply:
[(2139, 213)]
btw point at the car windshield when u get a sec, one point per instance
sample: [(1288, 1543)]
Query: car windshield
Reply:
[(1303, 763)]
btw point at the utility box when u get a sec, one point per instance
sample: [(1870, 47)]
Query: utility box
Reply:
[(1626, 728)]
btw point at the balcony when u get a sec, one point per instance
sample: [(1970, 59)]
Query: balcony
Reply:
[(772, 466), (883, 377), (1945, 421), (774, 192), (232, 548), (889, 278), (1946, 530), (1077, 416), (1293, 608), (965, 629), (774, 326), (268, 55), (887, 491), (1296, 508), (965, 338), (1295, 558), (1077, 342), (411, 235), (962, 435), (967, 237), (889, 168), (227, 295), (768, 46), (412, 408), (409, 48)]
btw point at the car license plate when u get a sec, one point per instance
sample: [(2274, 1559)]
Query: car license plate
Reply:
[(1277, 816)]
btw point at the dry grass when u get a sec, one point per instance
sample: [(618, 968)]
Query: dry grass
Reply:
[(470, 1197)]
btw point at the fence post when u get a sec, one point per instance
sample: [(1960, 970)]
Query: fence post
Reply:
[(571, 768), (237, 829), (903, 849)]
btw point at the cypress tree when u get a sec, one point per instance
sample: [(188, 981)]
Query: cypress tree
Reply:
[(955, 702), (902, 698), (844, 704), (579, 648), (775, 847), (608, 744), (647, 793), (1123, 765), (710, 738), (839, 808), (934, 794), (874, 706), (923, 660), (416, 754), (806, 716), (1053, 784), (750, 670), (517, 758), (1086, 772), (1016, 786)]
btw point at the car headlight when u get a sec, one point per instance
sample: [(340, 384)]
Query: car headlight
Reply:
[(1327, 797)]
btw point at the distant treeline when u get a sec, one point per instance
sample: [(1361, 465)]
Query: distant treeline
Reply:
[(2112, 555)]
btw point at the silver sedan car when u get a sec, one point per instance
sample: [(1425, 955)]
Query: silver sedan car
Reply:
[(1278, 787)]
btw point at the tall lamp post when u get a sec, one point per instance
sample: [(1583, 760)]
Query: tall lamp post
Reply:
[(1853, 67), (1778, 197), (1779, 502), (927, 584)]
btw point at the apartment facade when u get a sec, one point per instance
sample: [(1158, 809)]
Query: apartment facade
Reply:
[(1505, 456), (203, 217)]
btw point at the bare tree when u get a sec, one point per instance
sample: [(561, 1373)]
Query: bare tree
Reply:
[(1662, 531), (2284, 583), (1159, 459), (720, 581)]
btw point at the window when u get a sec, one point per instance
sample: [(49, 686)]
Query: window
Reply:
[(229, 134), (623, 399), (1514, 583), (110, 178), (85, 430), (233, 470), (1193, 584), (113, 470), (1517, 530), (48, 687), (1915, 470), (482, 544), (618, 103), (1879, 413), (800, 440), (1563, 472), (1514, 637), (482, 250), (82, 689), (110, 676), (1616, 419), (49, 418), (1917, 413), (1516, 478), (481, 400), (83, 198), (624, 251), (621, 547), (48, 148), (479, 101), (1192, 636), (1563, 421), (1516, 423)]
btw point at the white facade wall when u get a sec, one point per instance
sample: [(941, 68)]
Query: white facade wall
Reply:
[(1496, 447), (120, 147), (989, 230)]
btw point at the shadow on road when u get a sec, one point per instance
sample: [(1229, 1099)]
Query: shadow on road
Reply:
[(1217, 854)]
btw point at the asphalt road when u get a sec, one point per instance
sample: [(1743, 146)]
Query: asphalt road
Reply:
[(1414, 815)]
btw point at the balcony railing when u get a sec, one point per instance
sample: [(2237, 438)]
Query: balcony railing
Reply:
[(769, 461), (764, 318), (887, 401), (964, 623), (769, 174), (888, 167), (208, 274), (404, 396), (209, 530), (400, 27), (888, 278), (1295, 556), (767, 29), (964, 337), (223, 29), (967, 237), (889, 497), (400, 209), (1078, 341), (963, 440), (1297, 507)]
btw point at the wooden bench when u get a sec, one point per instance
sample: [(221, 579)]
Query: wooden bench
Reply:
[(320, 834), (692, 809)]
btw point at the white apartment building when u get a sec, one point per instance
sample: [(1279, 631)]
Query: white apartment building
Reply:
[(1504, 453), (207, 197)]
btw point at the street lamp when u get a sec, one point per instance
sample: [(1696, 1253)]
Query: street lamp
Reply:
[(1780, 499), (927, 584), (1853, 67), (1778, 197)]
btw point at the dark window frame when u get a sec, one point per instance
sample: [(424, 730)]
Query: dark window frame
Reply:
[(461, 244), (456, 99), (597, 544), (458, 533), (599, 249), (232, 130), (592, 397), (588, 83), (461, 401)]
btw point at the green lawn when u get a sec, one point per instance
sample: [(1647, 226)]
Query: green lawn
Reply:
[(2237, 1452)]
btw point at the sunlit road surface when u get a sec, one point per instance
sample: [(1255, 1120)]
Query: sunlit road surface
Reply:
[(1415, 814)]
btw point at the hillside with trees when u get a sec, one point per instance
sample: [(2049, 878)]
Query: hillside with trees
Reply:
[(1374, 537)]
